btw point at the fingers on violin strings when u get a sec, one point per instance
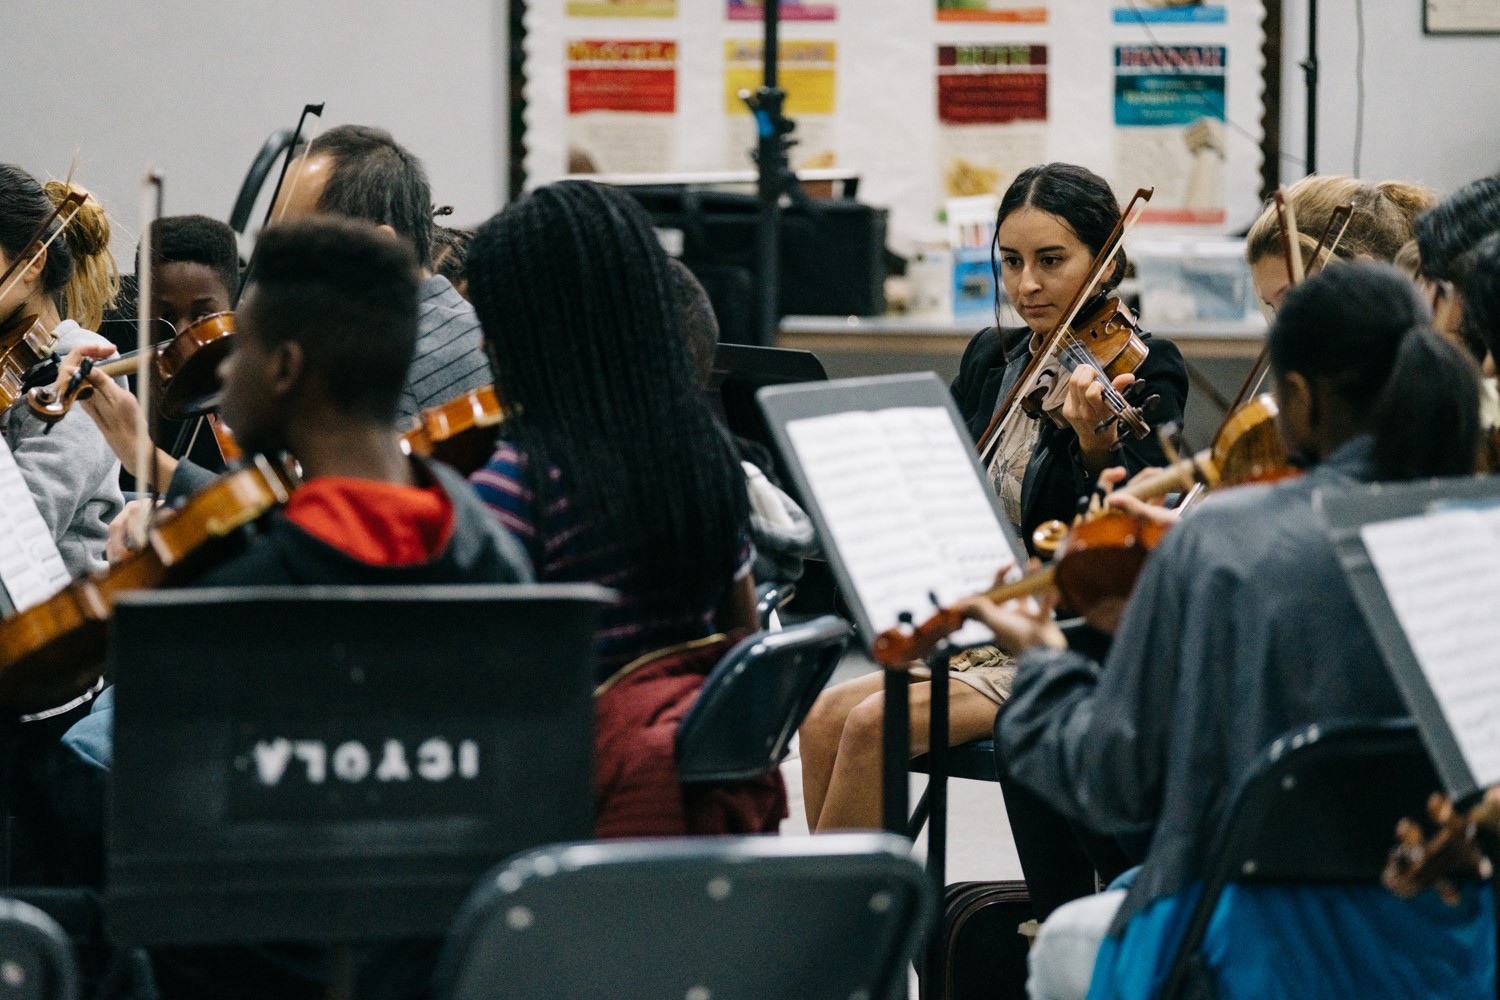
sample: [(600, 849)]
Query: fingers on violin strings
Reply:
[(1121, 382)]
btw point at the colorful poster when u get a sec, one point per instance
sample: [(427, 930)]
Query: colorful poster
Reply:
[(622, 106), (1007, 11), (1169, 129), (622, 8), (992, 115), (1170, 12), (807, 71), (791, 10)]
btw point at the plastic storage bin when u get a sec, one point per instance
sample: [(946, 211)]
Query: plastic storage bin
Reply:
[(1188, 280)]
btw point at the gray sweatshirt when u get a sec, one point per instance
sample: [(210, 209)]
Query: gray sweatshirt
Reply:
[(73, 474)]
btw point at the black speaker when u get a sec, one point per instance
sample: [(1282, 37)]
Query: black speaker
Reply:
[(833, 259)]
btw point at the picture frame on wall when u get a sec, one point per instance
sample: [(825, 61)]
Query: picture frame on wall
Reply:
[(1461, 17)]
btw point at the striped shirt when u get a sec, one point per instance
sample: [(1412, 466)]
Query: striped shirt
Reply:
[(564, 552), (450, 358)]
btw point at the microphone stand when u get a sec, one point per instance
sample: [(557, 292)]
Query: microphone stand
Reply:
[(1310, 78), (774, 179)]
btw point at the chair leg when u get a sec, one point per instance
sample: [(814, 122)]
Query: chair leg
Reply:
[(919, 815)]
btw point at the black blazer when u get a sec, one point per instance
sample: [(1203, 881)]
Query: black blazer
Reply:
[(1055, 477)]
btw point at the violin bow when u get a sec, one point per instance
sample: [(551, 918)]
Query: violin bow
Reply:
[(1103, 261), (1291, 239), (146, 464), (315, 111), (71, 204)]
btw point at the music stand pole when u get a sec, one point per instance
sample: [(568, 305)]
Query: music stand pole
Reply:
[(1310, 78)]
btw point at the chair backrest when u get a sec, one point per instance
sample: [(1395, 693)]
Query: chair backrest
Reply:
[(339, 763), (1323, 802), (708, 918), (36, 958), (756, 698), (1320, 806)]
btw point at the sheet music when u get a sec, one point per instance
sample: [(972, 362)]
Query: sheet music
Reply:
[(31, 568), (907, 512), (1441, 573)]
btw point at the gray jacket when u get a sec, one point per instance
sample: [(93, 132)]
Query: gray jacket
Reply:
[(73, 474), (1241, 627)]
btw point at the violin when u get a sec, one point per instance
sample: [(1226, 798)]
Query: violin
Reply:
[(185, 372), (1453, 852), (54, 651), (1107, 339), (24, 344), (460, 432), (1101, 556)]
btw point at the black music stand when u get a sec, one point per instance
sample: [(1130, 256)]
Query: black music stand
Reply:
[(339, 765), (1344, 513), (740, 371), (786, 405)]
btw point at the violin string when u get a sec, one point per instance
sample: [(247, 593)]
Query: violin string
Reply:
[(1081, 355)]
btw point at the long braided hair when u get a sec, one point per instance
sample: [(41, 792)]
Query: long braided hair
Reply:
[(575, 296)]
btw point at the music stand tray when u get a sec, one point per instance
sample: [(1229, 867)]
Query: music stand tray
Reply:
[(339, 764)]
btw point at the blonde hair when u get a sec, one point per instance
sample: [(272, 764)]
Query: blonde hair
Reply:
[(95, 280), (1379, 226)]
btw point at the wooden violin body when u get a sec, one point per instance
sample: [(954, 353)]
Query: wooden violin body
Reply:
[(54, 651), (23, 345), (1110, 335), (460, 432), (185, 372)]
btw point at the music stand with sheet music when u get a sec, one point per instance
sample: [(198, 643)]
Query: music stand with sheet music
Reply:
[(907, 519), (1423, 561), (339, 764)]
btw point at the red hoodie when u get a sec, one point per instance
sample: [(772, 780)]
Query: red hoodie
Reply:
[(382, 524)]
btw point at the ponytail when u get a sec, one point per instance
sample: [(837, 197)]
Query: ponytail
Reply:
[(1426, 417), (95, 280)]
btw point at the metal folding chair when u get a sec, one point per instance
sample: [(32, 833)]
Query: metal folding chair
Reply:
[(755, 699), (710, 918)]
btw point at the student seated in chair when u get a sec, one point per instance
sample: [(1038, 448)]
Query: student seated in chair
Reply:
[(324, 338), (1241, 628), (613, 469)]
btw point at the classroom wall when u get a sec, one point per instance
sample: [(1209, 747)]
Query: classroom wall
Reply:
[(194, 89), (1429, 99)]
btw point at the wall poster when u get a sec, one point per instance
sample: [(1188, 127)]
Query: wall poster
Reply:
[(791, 10), (1170, 12), (1169, 129), (622, 8), (622, 106), (992, 114), (1001, 11)]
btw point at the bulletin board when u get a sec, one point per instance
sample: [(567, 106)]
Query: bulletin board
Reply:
[(925, 99)]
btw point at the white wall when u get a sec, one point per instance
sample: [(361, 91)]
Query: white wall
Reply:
[(1429, 99), (193, 88)]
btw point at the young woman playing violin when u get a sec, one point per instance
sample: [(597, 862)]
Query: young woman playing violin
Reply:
[(1451, 269), (72, 474), (1379, 224), (1052, 222), (1241, 628)]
